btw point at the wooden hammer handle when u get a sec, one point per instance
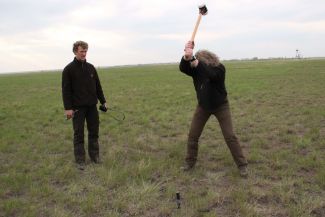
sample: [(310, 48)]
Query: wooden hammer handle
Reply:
[(196, 26)]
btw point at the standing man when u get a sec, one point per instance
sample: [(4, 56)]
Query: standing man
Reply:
[(80, 90), (209, 81)]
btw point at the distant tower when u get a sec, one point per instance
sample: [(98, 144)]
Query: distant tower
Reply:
[(297, 54)]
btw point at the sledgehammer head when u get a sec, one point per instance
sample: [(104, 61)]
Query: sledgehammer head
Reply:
[(203, 9)]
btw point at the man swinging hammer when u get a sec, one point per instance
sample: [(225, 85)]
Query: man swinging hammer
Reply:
[(208, 76)]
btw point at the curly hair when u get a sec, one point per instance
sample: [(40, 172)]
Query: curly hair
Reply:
[(82, 44), (207, 57)]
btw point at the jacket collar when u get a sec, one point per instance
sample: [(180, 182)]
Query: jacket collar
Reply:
[(78, 61)]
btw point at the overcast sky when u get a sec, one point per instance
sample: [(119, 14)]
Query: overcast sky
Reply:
[(38, 34)]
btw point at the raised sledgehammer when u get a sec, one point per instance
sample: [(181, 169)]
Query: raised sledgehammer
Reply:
[(203, 10)]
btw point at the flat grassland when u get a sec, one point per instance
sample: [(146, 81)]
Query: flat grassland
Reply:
[(278, 110)]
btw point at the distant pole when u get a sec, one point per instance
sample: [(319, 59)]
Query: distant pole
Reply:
[(297, 54)]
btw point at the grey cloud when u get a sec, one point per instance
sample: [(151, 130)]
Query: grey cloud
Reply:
[(21, 15)]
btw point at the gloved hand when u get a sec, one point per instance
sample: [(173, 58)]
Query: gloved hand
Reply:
[(103, 107)]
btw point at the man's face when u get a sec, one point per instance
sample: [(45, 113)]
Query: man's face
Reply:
[(81, 54)]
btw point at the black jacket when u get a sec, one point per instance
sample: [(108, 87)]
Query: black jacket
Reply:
[(209, 83), (80, 85)]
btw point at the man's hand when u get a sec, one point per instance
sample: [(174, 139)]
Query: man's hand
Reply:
[(69, 114), (189, 44), (103, 107), (188, 54), (188, 51)]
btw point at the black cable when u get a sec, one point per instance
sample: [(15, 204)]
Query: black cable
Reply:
[(120, 117)]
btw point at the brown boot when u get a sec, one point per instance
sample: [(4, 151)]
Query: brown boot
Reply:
[(243, 171), (81, 165), (187, 167)]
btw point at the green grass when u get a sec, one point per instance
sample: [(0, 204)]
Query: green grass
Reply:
[(278, 114)]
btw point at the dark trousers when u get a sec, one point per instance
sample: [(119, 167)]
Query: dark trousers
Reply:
[(90, 114), (199, 120)]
